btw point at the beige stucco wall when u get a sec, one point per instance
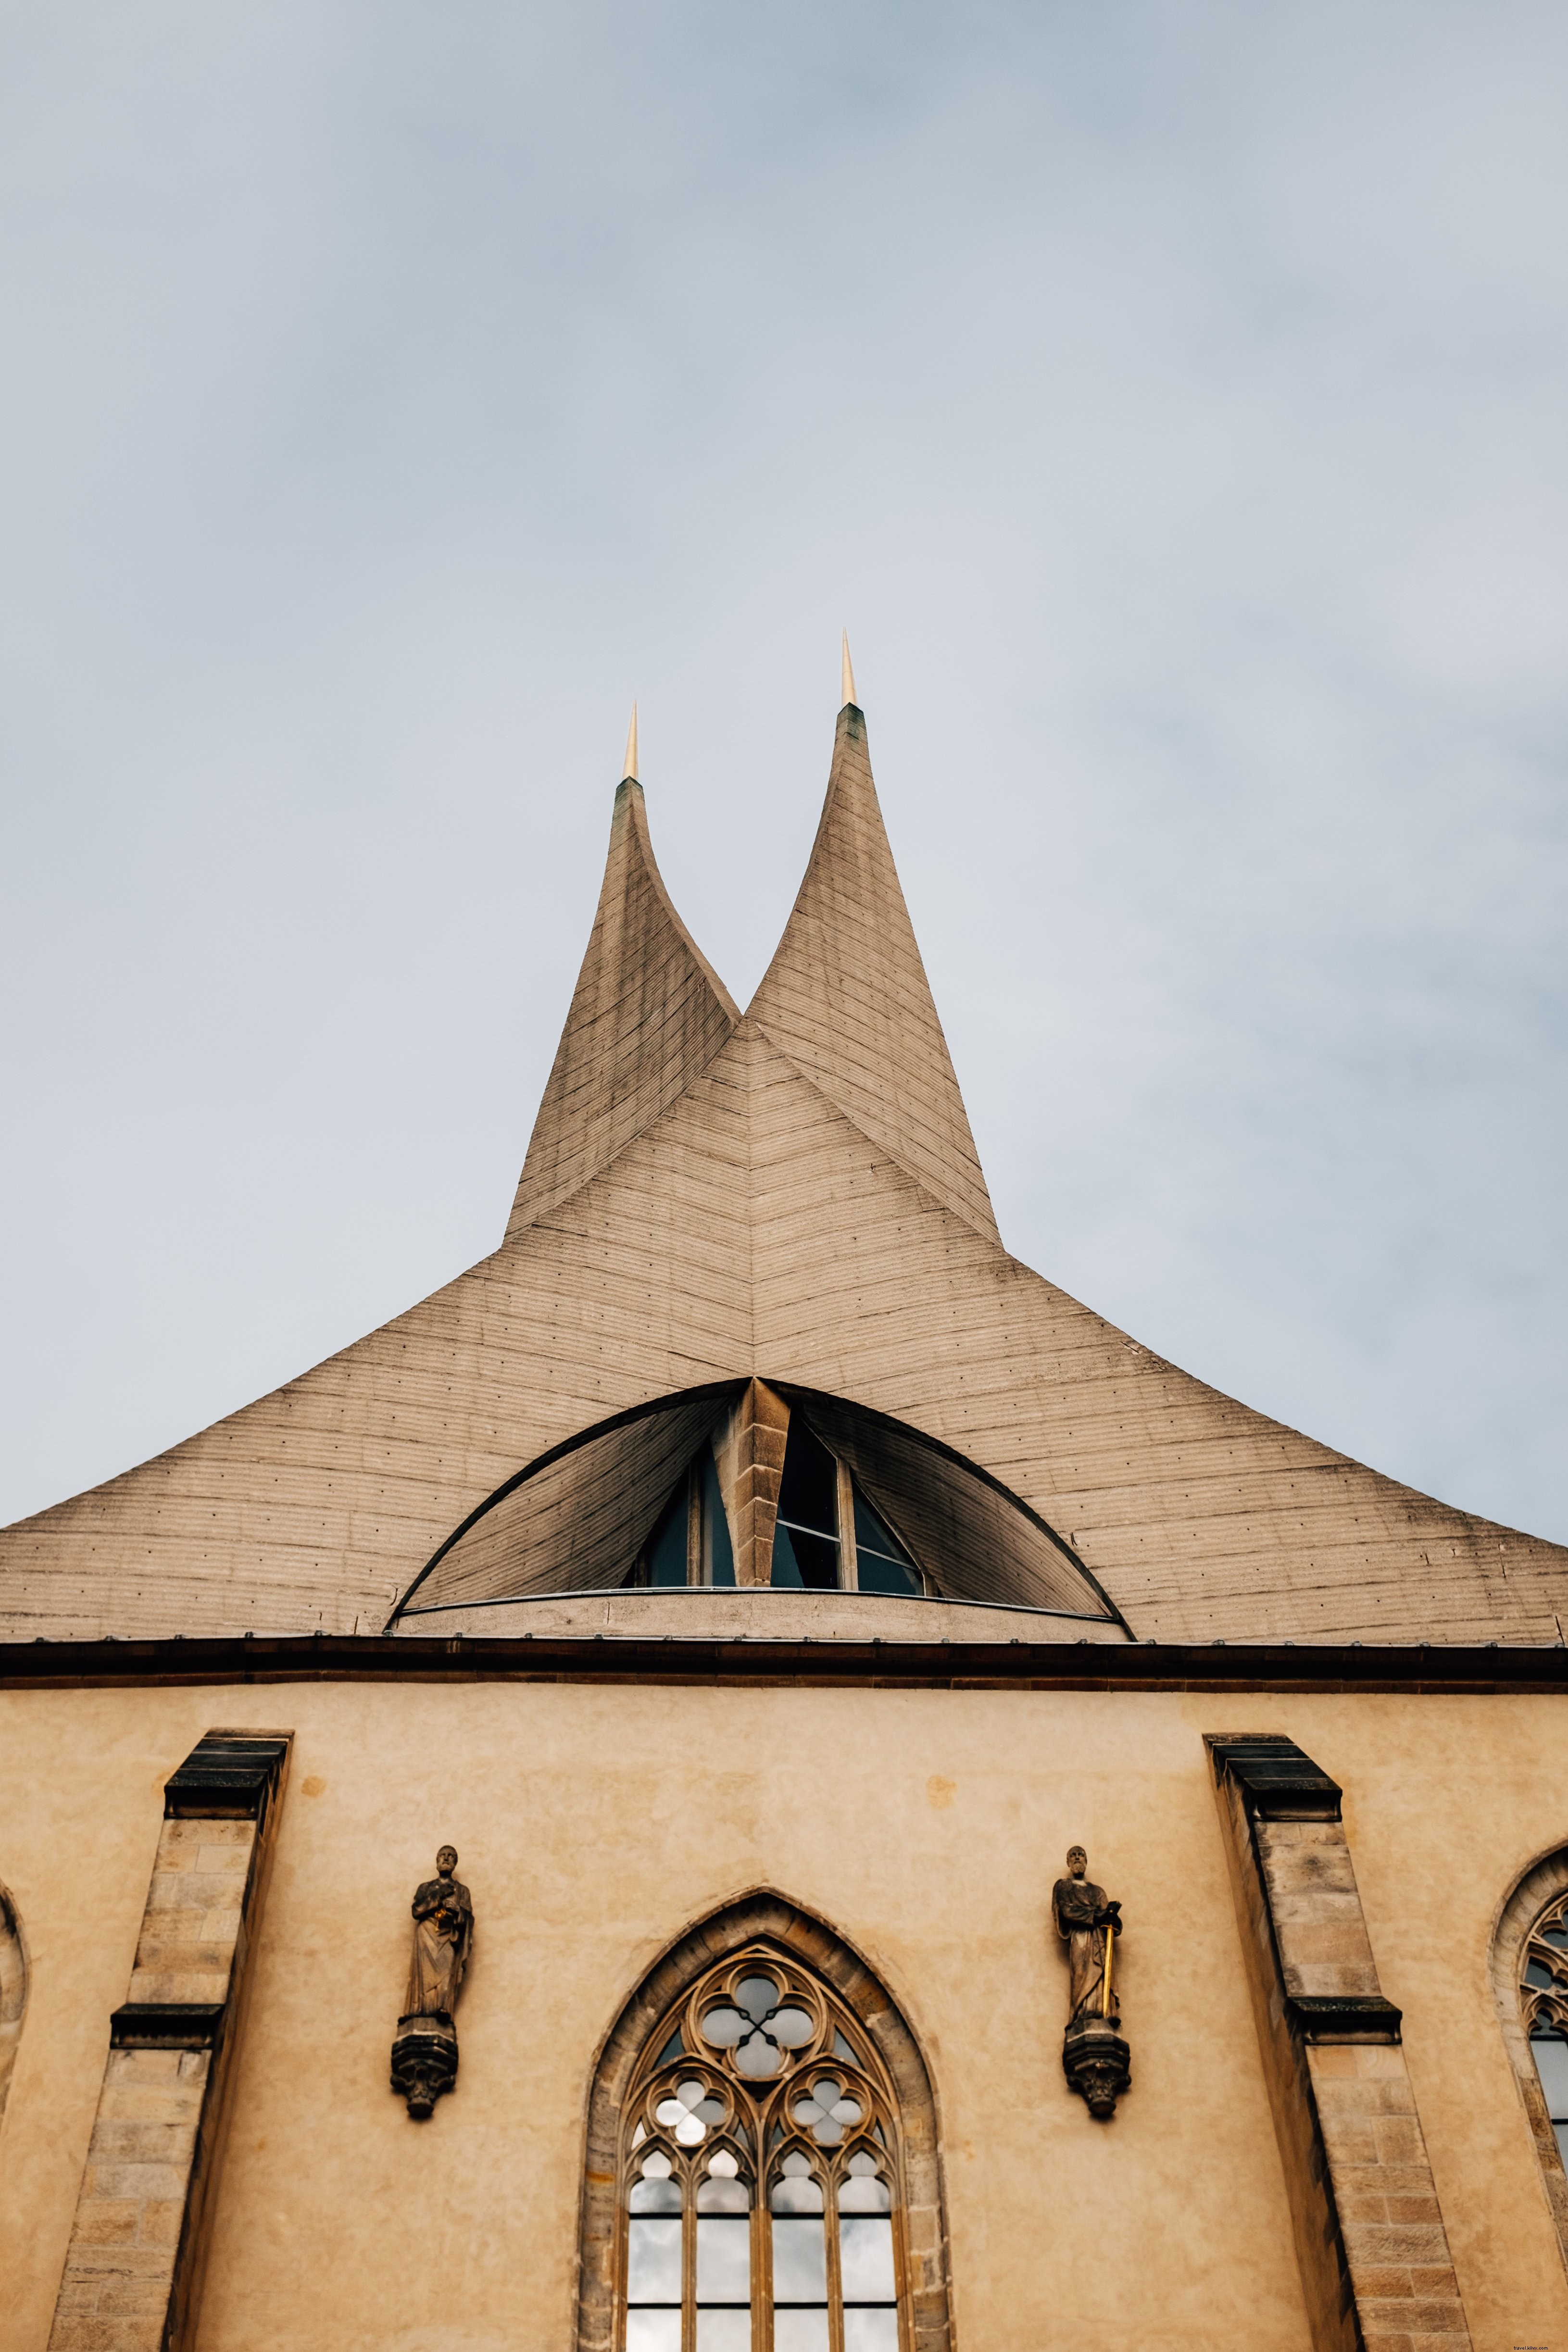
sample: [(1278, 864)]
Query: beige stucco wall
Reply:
[(596, 1822)]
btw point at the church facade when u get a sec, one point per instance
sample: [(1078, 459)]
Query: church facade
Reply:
[(752, 1777)]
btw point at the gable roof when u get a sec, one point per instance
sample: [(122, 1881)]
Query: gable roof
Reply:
[(791, 1196)]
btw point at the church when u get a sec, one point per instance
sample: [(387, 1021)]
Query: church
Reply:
[(751, 1776)]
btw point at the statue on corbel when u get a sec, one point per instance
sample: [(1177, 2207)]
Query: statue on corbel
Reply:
[(425, 2055), (1095, 2058)]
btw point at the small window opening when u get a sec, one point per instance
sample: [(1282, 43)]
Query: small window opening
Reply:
[(827, 1536), (807, 1536), (690, 1540)]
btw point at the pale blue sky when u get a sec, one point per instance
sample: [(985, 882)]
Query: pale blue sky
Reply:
[(1171, 400)]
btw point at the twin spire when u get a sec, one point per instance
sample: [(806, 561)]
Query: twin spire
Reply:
[(846, 1000)]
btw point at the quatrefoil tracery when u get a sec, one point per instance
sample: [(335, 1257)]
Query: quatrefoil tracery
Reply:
[(1543, 1989)]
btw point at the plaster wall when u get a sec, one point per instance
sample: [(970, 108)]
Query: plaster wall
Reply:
[(598, 1822)]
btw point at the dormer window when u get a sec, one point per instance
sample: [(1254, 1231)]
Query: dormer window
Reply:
[(827, 1538), (690, 1544)]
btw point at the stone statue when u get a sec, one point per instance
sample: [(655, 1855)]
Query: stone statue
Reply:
[(443, 1931), (425, 2055), (1095, 2058), (1082, 1915)]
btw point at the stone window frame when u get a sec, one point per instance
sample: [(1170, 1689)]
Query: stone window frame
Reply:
[(1542, 1885), (811, 1944)]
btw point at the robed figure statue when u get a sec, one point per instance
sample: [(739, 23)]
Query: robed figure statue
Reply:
[(1083, 1914), (443, 1931), (425, 2055), (1095, 2058)]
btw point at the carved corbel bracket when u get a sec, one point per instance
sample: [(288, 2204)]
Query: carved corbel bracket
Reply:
[(1096, 2063), (424, 2062)]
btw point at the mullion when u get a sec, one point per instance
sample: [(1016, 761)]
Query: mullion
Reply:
[(834, 2262)]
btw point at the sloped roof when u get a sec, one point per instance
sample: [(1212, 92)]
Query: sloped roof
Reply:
[(792, 1195), (846, 997)]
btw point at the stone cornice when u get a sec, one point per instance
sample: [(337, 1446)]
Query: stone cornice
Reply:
[(955, 1666)]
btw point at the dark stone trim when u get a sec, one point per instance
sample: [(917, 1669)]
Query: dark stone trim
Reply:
[(1279, 1780), (1346, 2017), (932, 1666), (227, 1776), (166, 2025)]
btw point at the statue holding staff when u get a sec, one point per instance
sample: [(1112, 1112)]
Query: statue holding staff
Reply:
[(1089, 1924)]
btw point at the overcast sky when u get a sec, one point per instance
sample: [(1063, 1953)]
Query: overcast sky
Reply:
[(1172, 401)]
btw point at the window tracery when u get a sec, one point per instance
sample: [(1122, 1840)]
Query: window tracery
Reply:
[(760, 2172), (1543, 1996), (1529, 1987)]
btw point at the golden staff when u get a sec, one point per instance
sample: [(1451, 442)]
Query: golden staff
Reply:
[(1105, 1983)]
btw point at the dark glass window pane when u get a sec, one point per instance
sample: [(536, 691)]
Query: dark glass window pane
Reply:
[(800, 1559), (878, 1575), (808, 1495), (667, 1544), (1538, 1976), (718, 1552), (882, 1563)]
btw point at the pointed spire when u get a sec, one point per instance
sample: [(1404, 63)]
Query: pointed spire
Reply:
[(631, 767), (847, 694), (647, 1017), (845, 996)]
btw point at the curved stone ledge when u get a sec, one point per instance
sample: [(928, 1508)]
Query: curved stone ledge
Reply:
[(763, 1615)]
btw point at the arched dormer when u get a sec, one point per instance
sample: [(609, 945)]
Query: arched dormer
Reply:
[(748, 1488)]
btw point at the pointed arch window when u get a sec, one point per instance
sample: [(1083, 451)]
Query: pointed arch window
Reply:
[(762, 2167), (1530, 1985), (1544, 1994)]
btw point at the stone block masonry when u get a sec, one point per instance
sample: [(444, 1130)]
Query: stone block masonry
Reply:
[(132, 2272), (1370, 2236)]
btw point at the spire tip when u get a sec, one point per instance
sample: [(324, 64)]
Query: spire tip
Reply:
[(631, 767), (847, 679)]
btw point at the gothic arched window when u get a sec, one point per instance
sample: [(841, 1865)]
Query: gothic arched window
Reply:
[(1529, 1984), (771, 2191)]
